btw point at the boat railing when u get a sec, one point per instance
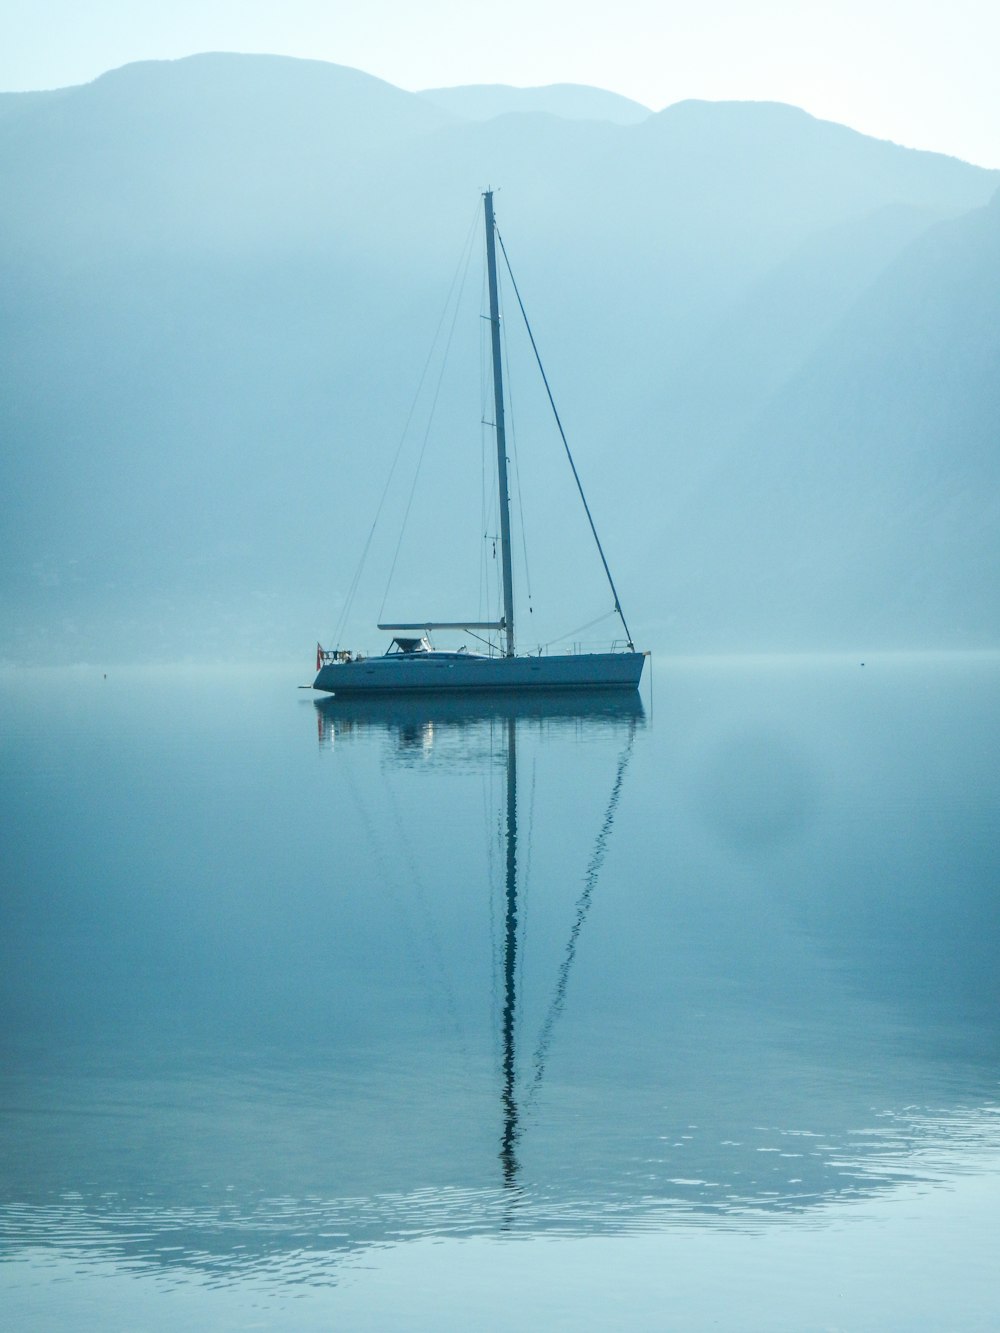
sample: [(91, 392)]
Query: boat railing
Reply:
[(577, 648), (328, 656), (581, 647)]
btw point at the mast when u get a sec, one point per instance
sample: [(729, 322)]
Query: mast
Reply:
[(508, 580)]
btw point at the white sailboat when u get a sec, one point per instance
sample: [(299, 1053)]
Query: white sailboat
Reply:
[(411, 665)]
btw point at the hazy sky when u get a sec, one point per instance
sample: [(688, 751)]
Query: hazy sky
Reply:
[(921, 72)]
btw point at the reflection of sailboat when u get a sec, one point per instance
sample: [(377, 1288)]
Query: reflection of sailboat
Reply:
[(509, 1097), (412, 665), (414, 722), (407, 714)]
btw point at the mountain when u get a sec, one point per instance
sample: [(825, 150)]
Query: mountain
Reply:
[(13, 105), (573, 101), (220, 278), (872, 472), (237, 149)]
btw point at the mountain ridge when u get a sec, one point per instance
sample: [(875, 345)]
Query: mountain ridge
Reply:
[(573, 101)]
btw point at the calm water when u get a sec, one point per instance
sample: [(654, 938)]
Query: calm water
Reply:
[(674, 1014)]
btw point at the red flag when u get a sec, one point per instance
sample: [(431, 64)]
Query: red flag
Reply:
[(319, 656)]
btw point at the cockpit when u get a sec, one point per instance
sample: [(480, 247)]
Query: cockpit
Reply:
[(409, 646)]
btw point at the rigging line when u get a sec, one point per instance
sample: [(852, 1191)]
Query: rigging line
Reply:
[(486, 473), (495, 852), (509, 385), (479, 638), (487, 795), (467, 244), (583, 906), (526, 876), (490, 590), (490, 585), (387, 881), (482, 489), (430, 422), (484, 351), (576, 475), (580, 628), (431, 937)]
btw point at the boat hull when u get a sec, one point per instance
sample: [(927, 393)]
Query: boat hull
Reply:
[(452, 673)]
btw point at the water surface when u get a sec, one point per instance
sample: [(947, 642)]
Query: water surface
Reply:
[(316, 1010)]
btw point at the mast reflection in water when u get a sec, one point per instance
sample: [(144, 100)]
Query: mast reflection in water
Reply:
[(413, 722), (508, 1154)]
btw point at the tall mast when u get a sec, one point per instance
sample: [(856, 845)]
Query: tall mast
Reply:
[(508, 580)]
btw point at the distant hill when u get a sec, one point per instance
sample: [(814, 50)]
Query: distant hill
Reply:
[(220, 278), (872, 472), (573, 101), (16, 104), (172, 152)]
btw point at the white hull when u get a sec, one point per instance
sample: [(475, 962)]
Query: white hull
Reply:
[(449, 673)]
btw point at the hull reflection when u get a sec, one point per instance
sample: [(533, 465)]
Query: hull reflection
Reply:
[(412, 714)]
